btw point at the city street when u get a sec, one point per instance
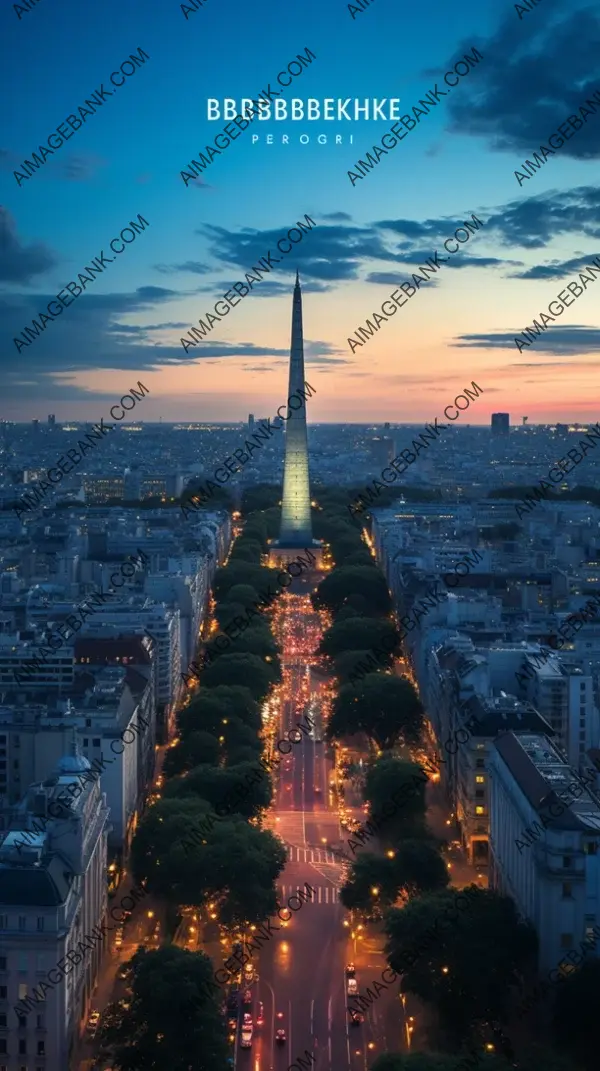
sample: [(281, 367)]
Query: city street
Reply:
[(301, 972)]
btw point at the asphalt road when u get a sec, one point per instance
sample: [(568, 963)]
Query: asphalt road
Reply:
[(301, 971)]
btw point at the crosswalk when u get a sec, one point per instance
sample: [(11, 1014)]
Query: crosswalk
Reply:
[(296, 854), (323, 894)]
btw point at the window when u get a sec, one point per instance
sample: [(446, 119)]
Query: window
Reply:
[(39, 1022), (23, 962), (566, 940), (480, 810), (480, 763), (591, 847), (22, 1021), (567, 890), (40, 961), (3, 1048), (40, 923), (4, 924), (479, 794), (3, 992), (22, 922), (480, 779), (567, 860), (41, 1045), (22, 1046), (2, 963), (86, 742), (96, 741), (22, 990), (2, 1021)]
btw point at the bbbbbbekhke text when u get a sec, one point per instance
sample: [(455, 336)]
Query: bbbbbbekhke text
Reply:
[(331, 108)]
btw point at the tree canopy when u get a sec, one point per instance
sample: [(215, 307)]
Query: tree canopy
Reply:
[(173, 1019), (385, 708)]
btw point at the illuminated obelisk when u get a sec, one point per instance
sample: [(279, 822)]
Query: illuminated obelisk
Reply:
[(296, 526)]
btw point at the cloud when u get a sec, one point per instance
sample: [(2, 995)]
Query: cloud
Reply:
[(18, 262), (558, 269), (193, 266), (81, 168), (563, 341), (536, 72)]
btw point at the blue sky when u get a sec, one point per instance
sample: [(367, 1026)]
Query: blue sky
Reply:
[(461, 159)]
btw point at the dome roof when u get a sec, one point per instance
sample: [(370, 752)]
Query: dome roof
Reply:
[(73, 764)]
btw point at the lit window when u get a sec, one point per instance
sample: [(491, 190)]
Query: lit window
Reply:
[(480, 810), (480, 780)]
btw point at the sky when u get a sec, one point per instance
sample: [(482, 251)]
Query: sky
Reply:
[(538, 67)]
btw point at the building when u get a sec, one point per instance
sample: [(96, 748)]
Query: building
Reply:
[(250, 423), (500, 423), (53, 895), (550, 869)]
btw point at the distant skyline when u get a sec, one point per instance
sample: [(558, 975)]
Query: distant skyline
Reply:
[(461, 159)]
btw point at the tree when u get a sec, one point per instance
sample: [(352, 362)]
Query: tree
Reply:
[(461, 955), (173, 1018), (245, 669), (262, 496), (369, 872), (187, 854), (238, 572), (419, 868), (361, 557), (436, 1061), (353, 662), (245, 789), (388, 778), (387, 709), (194, 749), (576, 1012), (256, 639), (244, 594), (360, 634), (246, 550), (342, 583), (211, 709)]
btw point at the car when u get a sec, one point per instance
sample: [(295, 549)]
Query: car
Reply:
[(350, 970), (232, 1023), (352, 989), (280, 1036), (247, 1021), (318, 789), (248, 971), (357, 1018), (93, 1023), (123, 971), (247, 997), (246, 1040), (260, 1018)]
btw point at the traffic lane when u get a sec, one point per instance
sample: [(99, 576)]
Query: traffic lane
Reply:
[(303, 965), (384, 1027)]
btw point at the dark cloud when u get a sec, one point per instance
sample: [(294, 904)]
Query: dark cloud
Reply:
[(563, 341), (80, 168), (337, 217), (18, 262), (558, 269), (535, 73), (193, 266), (325, 254)]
